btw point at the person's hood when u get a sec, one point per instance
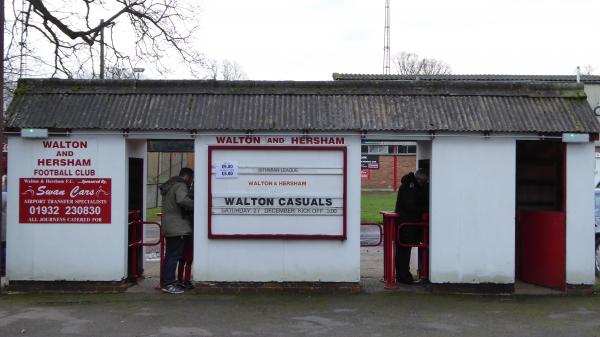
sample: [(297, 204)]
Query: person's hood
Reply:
[(409, 178), (164, 188)]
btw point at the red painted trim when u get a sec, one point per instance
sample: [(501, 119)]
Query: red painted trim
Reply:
[(564, 176), (209, 185), (277, 148), (564, 212), (345, 200), (277, 236), (344, 151)]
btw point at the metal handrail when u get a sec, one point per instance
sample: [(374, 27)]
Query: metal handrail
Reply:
[(141, 242), (380, 227), (392, 231)]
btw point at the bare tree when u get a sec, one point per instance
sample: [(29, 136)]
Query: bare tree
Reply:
[(231, 71), (212, 69), (588, 69), (227, 70), (412, 64), (158, 33)]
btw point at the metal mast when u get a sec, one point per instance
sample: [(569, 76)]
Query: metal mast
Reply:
[(23, 42), (386, 40)]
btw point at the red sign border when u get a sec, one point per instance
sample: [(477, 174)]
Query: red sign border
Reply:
[(342, 237)]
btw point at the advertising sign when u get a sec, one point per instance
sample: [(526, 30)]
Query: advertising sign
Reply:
[(277, 192), (63, 186), (64, 200), (365, 174), (369, 162)]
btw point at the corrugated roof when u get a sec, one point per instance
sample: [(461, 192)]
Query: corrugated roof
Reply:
[(591, 79), (294, 106)]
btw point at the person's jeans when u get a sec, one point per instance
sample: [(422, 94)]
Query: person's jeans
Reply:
[(3, 262), (407, 235), (173, 253)]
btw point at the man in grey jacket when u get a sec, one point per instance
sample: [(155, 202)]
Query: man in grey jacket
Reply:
[(177, 224)]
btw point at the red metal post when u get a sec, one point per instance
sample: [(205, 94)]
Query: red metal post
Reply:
[(424, 255), (133, 244), (389, 250)]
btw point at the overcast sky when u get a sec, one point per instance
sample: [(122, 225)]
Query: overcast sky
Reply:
[(310, 39)]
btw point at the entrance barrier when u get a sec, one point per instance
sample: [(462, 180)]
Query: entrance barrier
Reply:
[(391, 237), (136, 225)]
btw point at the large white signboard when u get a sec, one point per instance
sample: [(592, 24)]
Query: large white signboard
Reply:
[(63, 185), (277, 192)]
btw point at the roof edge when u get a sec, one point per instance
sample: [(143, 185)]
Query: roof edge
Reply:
[(347, 87), (589, 79)]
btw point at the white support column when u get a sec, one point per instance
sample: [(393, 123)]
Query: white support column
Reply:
[(68, 251), (580, 214)]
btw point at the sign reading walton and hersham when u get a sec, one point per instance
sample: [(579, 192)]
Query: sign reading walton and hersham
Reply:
[(66, 158), (64, 187), (281, 140), (277, 192)]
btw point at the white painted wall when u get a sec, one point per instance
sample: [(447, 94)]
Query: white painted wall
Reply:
[(72, 252), (472, 221), (472, 210), (593, 97), (593, 94), (277, 260), (596, 167), (580, 214)]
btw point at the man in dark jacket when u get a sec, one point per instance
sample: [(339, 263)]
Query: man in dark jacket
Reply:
[(412, 202), (177, 224)]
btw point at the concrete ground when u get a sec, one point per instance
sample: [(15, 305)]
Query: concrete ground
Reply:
[(371, 265), (408, 311), (373, 314)]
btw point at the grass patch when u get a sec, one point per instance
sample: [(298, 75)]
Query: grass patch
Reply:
[(151, 214), (374, 202)]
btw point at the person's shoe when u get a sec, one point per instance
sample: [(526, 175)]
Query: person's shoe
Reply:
[(172, 289), (187, 285), (405, 278), (405, 281)]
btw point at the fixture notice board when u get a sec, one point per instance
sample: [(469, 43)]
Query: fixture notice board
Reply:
[(277, 192)]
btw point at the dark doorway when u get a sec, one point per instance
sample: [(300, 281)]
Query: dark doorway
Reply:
[(136, 208), (541, 221)]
